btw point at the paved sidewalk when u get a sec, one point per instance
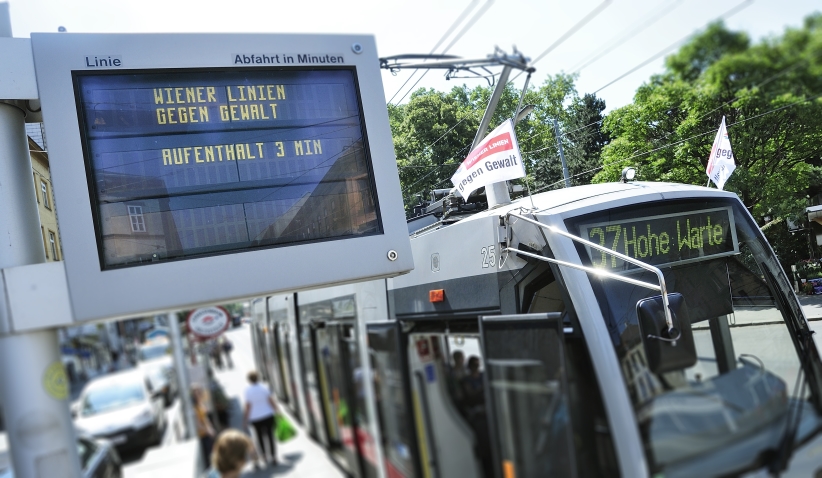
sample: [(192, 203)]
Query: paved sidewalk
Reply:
[(812, 306), (299, 457)]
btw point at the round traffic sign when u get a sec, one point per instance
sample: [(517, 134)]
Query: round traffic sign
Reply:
[(208, 322)]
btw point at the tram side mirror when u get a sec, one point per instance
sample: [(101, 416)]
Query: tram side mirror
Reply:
[(663, 352)]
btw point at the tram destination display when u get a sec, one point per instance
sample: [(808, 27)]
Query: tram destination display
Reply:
[(202, 162), (663, 239), (196, 169)]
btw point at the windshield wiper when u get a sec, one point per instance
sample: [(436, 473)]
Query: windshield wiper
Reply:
[(786, 443)]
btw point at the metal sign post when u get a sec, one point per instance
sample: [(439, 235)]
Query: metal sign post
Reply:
[(34, 388), (182, 374)]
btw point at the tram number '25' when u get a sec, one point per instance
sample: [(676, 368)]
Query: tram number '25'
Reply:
[(488, 257)]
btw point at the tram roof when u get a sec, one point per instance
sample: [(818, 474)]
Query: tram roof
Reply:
[(615, 194)]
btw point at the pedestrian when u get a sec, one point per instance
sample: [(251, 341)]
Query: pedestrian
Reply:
[(222, 405), (227, 347), (260, 410), (205, 431), (216, 353), (230, 453)]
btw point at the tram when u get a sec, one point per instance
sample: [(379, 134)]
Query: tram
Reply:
[(623, 329)]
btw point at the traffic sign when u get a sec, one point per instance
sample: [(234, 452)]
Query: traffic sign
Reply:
[(208, 322)]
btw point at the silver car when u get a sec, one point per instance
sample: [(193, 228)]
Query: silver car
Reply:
[(122, 408)]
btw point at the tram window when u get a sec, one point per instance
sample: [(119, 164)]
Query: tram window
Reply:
[(393, 415), (548, 299), (589, 423), (528, 386), (453, 401), (721, 415)]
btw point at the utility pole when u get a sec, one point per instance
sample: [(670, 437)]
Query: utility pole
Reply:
[(182, 374), (562, 155), (34, 389)]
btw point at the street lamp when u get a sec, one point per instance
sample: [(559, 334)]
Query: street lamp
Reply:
[(525, 111)]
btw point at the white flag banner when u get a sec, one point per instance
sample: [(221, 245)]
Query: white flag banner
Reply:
[(495, 159), (721, 163)]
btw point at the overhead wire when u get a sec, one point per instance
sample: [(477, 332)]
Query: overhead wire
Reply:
[(459, 35), (593, 13), (729, 126), (629, 33), (561, 181), (764, 82), (559, 41), (448, 32), (733, 11)]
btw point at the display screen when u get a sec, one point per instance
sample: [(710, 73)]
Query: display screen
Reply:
[(196, 162), (663, 239)]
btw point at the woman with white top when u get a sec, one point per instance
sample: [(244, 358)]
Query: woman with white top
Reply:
[(259, 411)]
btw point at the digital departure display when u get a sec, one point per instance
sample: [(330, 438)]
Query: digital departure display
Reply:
[(187, 163), (664, 239)]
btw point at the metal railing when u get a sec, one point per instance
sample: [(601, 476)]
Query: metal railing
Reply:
[(661, 288)]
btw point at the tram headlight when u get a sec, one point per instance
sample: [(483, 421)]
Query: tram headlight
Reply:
[(628, 174)]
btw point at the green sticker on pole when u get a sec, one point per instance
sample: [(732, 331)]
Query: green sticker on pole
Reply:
[(55, 381)]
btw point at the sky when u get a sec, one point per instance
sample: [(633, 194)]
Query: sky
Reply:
[(624, 34)]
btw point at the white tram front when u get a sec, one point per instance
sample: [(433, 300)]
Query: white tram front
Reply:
[(532, 339)]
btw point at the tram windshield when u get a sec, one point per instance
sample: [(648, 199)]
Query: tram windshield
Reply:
[(728, 411)]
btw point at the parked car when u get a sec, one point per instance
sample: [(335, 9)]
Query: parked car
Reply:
[(122, 408), (155, 360), (98, 459), (159, 349), (817, 285), (163, 380)]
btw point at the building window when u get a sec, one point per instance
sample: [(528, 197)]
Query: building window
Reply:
[(44, 189), (43, 231), (138, 223), (53, 245)]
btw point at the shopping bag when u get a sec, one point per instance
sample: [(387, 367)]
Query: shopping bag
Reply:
[(283, 429)]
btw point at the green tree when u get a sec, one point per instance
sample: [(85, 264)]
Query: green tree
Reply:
[(434, 131), (584, 138), (769, 95)]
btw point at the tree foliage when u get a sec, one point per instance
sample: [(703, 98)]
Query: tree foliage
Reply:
[(434, 132), (769, 94)]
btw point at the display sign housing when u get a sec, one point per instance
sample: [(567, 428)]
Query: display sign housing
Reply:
[(192, 169)]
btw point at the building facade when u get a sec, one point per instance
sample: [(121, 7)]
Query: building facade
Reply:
[(45, 202)]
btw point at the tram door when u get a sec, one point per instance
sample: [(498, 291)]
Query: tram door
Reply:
[(528, 408), (288, 370), (275, 377), (336, 374), (261, 357), (311, 383), (285, 383), (394, 416), (448, 403)]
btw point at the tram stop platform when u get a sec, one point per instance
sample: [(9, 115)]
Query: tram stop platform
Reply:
[(299, 457)]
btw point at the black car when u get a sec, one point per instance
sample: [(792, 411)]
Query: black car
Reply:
[(236, 320), (97, 458)]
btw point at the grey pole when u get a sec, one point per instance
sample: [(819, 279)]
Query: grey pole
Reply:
[(562, 155), (182, 374), (33, 385), (497, 193)]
